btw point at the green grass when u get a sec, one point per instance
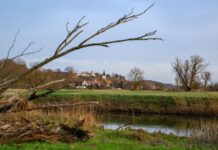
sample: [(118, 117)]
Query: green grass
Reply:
[(126, 92), (139, 93), (121, 140), (159, 102), (160, 97)]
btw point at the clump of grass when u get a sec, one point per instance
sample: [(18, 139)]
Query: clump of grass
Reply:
[(79, 117), (208, 133)]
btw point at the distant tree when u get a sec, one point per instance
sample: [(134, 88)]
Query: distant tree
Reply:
[(191, 72), (213, 86), (206, 77), (70, 69), (12, 68), (70, 75), (136, 75), (103, 73)]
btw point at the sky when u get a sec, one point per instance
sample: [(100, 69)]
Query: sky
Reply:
[(188, 27)]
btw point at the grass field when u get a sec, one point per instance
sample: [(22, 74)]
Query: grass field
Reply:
[(121, 140), (66, 92), (138, 93)]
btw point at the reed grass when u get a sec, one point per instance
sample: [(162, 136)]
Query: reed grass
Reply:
[(201, 104), (207, 133)]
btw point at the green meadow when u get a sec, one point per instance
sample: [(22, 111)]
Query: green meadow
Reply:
[(121, 140)]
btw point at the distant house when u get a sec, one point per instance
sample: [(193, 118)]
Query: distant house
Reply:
[(109, 83), (92, 74), (104, 77), (97, 80), (91, 84), (86, 74)]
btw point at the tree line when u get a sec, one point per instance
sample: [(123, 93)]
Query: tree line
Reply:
[(191, 74)]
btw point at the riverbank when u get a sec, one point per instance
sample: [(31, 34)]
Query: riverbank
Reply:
[(129, 101), (168, 124), (153, 102), (120, 140)]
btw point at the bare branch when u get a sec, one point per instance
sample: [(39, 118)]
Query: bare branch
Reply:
[(16, 99), (60, 51), (76, 29), (125, 125), (9, 50), (126, 18), (5, 63), (13, 44), (140, 38), (41, 87)]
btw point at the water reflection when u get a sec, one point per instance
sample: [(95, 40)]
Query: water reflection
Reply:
[(177, 125)]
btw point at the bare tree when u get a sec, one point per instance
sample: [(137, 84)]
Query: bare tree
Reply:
[(136, 75), (206, 77), (70, 69), (190, 72)]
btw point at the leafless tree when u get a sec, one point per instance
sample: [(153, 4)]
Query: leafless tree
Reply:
[(70, 69), (136, 75), (206, 77), (190, 72), (65, 48)]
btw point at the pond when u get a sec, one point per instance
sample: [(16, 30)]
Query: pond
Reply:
[(168, 124)]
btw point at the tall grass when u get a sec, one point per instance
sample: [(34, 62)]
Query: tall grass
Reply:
[(79, 117), (208, 133), (139, 103)]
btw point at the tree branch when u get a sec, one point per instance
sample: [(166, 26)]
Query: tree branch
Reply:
[(60, 51), (126, 18)]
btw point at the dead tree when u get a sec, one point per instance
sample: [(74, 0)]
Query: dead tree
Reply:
[(190, 73), (64, 47), (206, 77)]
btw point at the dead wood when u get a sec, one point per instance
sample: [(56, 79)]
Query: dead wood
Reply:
[(27, 131), (19, 101), (124, 125)]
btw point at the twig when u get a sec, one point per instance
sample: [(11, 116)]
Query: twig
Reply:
[(124, 125)]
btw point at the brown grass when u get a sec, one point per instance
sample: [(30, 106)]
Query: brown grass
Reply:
[(81, 116), (50, 125), (207, 133)]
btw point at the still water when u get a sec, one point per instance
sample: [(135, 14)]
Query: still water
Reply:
[(177, 125)]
